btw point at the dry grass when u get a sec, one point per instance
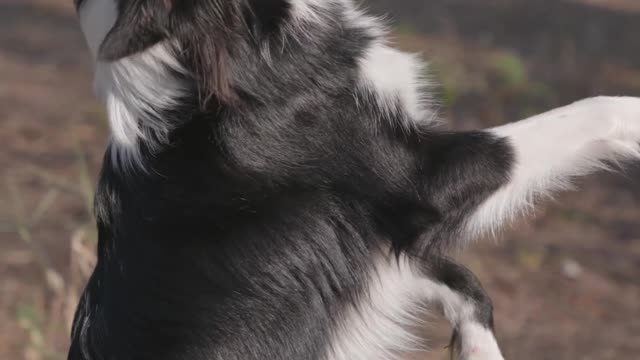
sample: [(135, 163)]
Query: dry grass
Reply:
[(44, 321)]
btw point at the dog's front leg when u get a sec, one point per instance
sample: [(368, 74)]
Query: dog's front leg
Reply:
[(552, 148), (466, 305)]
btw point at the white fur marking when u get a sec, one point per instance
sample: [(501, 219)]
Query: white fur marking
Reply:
[(455, 308), (380, 328), (359, 19), (478, 343), (397, 79), (557, 146), (138, 88), (308, 10), (135, 89)]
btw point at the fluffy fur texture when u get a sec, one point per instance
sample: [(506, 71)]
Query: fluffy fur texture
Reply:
[(553, 148), (276, 186)]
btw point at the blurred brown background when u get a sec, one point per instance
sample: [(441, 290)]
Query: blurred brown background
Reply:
[(566, 284)]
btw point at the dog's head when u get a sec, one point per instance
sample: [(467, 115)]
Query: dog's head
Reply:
[(202, 30), (157, 59)]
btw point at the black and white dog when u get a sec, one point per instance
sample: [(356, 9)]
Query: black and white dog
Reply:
[(276, 186)]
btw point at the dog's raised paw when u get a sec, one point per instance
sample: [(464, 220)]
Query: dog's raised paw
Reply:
[(474, 342), (479, 354)]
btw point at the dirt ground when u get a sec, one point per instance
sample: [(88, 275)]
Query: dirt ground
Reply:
[(566, 285)]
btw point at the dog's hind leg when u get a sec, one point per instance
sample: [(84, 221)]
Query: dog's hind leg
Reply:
[(552, 148), (464, 302)]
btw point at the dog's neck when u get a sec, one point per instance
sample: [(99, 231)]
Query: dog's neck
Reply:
[(324, 49)]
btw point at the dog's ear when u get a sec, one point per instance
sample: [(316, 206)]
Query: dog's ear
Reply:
[(140, 25), (208, 33), (205, 31)]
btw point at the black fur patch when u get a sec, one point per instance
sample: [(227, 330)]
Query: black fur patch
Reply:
[(258, 224), (462, 281), (268, 16)]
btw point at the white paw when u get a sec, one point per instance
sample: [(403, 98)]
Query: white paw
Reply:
[(480, 354), (475, 342), (621, 116), (609, 125)]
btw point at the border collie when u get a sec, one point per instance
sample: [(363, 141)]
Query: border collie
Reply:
[(277, 186)]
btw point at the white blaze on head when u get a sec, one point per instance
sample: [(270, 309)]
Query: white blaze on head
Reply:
[(97, 17)]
